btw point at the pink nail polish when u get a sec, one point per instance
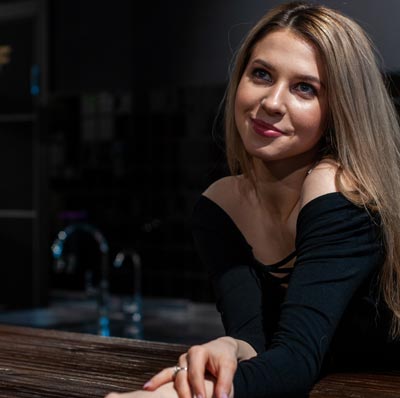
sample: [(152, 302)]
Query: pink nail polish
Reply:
[(147, 385), (224, 395)]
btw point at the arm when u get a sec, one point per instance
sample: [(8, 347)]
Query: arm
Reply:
[(338, 248)]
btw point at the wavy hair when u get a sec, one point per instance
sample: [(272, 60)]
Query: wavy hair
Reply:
[(362, 133)]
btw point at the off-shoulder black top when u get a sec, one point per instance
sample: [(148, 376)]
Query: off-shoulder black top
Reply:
[(328, 315)]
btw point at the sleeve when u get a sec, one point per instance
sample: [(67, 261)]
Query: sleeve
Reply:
[(338, 246), (227, 257)]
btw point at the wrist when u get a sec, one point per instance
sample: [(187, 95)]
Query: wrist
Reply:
[(232, 342), (243, 350)]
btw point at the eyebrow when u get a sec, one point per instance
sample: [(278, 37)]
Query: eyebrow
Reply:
[(307, 78)]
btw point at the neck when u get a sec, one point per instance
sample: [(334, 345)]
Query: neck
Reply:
[(278, 185)]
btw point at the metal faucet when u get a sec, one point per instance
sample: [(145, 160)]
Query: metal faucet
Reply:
[(132, 309), (57, 249)]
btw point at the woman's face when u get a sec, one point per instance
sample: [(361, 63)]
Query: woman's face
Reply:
[(280, 105)]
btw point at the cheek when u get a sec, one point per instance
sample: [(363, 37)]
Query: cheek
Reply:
[(245, 102), (245, 96), (240, 99), (311, 117)]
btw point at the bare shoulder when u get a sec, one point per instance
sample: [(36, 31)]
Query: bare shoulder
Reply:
[(224, 190), (320, 181)]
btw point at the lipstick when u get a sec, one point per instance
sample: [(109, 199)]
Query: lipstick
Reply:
[(265, 129)]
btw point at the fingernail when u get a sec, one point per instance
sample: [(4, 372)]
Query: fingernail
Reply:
[(224, 395), (147, 385), (198, 396)]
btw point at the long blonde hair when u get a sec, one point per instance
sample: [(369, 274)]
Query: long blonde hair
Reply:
[(362, 135)]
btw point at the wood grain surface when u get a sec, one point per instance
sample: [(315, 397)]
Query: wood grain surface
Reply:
[(52, 364), (46, 363)]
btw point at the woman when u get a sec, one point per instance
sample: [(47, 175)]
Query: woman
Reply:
[(302, 241)]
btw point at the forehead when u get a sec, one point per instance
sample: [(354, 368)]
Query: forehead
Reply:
[(283, 46)]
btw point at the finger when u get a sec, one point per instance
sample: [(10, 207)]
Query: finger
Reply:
[(197, 359), (225, 379), (181, 384), (159, 379), (166, 375)]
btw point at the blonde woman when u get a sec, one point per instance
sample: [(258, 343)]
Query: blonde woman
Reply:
[(302, 240)]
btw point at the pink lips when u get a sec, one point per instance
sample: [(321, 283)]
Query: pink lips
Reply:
[(265, 129)]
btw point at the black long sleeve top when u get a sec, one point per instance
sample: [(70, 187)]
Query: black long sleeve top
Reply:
[(330, 299)]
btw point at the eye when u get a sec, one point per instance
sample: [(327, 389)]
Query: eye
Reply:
[(261, 74), (306, 89)]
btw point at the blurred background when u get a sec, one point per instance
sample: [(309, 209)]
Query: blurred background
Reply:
[(109, 132)]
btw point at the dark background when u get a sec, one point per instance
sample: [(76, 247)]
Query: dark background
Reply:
[(120, 129)]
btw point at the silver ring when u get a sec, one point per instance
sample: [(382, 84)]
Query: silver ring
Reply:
[(177, 369)]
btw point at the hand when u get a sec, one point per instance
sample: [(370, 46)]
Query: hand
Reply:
[(210, 370), (165, 391)]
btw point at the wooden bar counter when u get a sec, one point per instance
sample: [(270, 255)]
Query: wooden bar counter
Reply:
[(46, 363)]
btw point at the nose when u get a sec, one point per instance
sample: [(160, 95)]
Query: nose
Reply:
[(274, 100)]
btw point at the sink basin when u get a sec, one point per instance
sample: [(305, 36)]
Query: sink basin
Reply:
[(167, 320)]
